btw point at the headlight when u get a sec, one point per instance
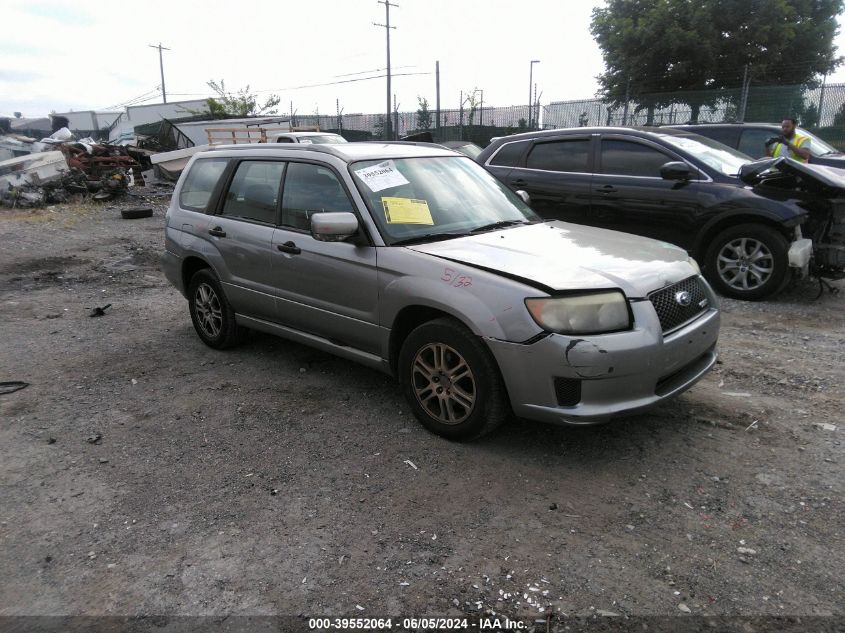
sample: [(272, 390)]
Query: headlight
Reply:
[(582, 314), (695, 265)]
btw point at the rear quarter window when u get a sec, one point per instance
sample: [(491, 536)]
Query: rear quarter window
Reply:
[(510, 154), (200, 183)]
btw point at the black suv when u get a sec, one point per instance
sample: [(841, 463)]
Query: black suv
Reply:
[(747, 222), (750, 138)]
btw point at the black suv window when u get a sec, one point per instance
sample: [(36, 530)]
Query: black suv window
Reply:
[(509, 154), (753, 141), (311, 189), (200, 183), (725, 135), (626, 158), (570, 156), (254, 191)]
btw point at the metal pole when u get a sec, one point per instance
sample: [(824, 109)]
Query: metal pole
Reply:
[(481, 111), (387, 27), (627, 98), (437, 73), (744, 100), (821, 100), (461, 119), (161, 68), (530, 85)]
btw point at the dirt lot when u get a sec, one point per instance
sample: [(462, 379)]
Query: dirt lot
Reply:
[(144, 473)]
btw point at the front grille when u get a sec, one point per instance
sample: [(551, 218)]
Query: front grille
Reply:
[(568, 391), (670, 311)]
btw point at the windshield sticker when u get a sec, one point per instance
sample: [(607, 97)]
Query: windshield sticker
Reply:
[(305, 141), (406, 211), (381, 176)]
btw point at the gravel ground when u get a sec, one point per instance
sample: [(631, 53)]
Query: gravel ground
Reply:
[(144, 473)]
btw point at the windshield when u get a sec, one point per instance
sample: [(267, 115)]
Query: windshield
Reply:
[(435, 198), (724, 159), (817, 146), (470, 149), (326, 139)]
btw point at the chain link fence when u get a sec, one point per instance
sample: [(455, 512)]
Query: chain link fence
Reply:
[(821, 110)]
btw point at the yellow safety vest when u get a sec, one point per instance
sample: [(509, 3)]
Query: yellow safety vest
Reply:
[(798, 140)]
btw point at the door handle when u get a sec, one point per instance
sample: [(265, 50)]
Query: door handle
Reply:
[(607, 189), (518, 183), (289, 247), (217, 231)]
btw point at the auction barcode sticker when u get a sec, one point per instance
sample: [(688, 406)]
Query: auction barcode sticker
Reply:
[(381, 176)]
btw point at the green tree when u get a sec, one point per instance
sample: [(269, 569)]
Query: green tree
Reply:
[(654, 49), (472, 101), (423, 114), (242, 104)]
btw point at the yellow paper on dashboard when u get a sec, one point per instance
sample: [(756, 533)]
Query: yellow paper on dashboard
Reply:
[(406, 211)]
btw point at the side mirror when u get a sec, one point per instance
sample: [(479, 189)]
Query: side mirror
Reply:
[(676, 170), (524, 195), (333, 226)]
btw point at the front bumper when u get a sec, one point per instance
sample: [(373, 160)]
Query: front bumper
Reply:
[(619, 373)]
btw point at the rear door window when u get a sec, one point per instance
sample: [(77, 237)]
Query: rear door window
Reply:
[(567, 156), (626, 158), (254, 192), (311, 189), (753, 142), (510, 154), (200, 183)]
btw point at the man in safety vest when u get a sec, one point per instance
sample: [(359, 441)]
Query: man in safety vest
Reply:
[(790, 143)]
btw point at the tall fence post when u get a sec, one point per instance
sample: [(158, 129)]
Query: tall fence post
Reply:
[(744, 101), (627, 99)]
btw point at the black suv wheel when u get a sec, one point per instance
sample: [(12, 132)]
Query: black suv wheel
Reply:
[(747, 261)]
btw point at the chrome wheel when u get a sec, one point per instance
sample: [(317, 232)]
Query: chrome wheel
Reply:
[(443, 383), (745, 263), (208, 310)]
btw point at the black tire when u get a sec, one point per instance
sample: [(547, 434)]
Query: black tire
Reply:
[(211, 313), (489, 402), (136, 213), (747, 261)]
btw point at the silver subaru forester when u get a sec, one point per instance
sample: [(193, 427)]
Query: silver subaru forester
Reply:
[(413, 260)]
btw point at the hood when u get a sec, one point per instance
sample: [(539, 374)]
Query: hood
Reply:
[(558, 256), (815, 177)]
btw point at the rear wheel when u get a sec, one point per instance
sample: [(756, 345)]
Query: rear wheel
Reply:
[(213, 317), (748, 261), (451, 381)]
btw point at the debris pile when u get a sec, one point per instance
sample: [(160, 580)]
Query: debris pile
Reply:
[(51, 170)]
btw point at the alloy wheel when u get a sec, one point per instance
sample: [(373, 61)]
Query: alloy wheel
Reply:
[(443, 383), (208, 309), (745, 263)]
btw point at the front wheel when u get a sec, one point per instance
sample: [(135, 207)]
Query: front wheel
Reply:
[(451, 381), (747, 261)]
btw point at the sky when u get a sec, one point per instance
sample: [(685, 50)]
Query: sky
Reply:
[(90, 54)]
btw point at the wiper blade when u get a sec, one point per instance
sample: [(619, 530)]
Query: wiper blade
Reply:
[(426, 237), (498, 225)]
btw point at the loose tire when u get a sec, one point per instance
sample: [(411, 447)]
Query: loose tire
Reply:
[(451, 381), (213, 317), (136, 213), (747, 261)]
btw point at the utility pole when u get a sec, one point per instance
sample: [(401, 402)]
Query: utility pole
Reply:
[(530, 85), (387, 27), (481, 110), (461, 118), (396, 115), (339, 119), (437, 73), (161, 68)]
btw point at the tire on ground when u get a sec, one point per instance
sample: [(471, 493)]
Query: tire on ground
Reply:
[(211, 313), (759, 287), (490, 404)]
